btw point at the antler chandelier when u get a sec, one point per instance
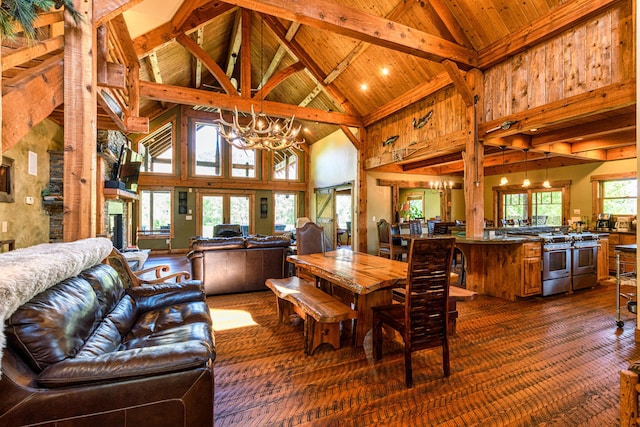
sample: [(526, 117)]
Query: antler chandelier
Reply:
[(262, 132)]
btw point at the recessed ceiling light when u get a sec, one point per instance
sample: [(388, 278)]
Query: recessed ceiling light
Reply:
[(385, 71), (364, 86), (534, 130)]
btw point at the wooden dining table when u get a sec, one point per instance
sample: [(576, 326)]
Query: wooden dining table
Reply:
[(369, 278)]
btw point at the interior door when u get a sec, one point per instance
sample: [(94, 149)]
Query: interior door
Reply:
[(325, 215)]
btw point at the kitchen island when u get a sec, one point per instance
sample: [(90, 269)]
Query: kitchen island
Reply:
[(506, 266)]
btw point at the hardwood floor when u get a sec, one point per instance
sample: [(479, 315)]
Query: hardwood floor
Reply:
[(551, 361)]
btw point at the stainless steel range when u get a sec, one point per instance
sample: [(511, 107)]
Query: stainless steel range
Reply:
[(584, 260), (569, 262), (556, 263)]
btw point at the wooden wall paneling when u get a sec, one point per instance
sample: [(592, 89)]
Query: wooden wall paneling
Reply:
[(487, 97), (574, 61), (519, 78), (536, 79), (622, 45), (598, 52), (554, 67)]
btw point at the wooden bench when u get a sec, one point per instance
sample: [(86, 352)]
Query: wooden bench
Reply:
[(321, 312)]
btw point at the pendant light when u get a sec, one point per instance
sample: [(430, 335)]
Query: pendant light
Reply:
[(503, 180), (546, 183), (526, 181)]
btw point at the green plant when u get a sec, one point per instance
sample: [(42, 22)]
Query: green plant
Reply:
[(25, 12)]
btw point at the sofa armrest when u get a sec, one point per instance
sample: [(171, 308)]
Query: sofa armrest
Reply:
[(165, 294), (127, 364)]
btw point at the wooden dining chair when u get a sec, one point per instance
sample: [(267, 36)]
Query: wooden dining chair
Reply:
[(130, 278), (422, 319), (386, 247)]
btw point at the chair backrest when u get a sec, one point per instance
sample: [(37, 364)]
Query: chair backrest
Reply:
[(442, 227), (310, 239), (384, 232), (427, 291), (415, 226), (227, 230), (121, 266)]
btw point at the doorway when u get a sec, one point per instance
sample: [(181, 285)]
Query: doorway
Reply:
[(214, 208), (334, 213)]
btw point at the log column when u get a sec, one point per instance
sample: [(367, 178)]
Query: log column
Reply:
[(80, 79), (474, 160)]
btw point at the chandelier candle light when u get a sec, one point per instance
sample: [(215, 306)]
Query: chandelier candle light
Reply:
[(526, 181), (262, 132)]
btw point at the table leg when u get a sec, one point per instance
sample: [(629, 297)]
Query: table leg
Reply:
[(364, 304)]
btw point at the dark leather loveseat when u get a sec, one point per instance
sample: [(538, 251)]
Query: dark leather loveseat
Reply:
[(237, 264), (87, 351)]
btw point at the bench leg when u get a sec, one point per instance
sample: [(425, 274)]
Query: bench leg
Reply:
[(316, 333), (285, 309)]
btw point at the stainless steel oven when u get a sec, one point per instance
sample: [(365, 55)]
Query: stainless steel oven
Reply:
[(585, 261), (556, 265)]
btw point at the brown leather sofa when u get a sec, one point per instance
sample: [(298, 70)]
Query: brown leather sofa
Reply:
[(87, 351), (237, 264)]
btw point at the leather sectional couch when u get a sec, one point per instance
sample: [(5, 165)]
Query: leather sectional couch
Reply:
[(237, 264), (87, 351)]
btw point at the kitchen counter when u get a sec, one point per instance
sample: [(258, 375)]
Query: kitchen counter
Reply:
[(505, 267)]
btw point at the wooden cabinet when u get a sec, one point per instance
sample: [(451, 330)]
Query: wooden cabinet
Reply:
[(531, 278), (603, 259), (618, 239)]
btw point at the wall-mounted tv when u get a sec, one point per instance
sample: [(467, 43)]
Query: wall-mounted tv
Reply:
[(127, 169)]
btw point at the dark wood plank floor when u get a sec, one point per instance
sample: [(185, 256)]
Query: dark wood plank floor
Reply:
[(551, 361)]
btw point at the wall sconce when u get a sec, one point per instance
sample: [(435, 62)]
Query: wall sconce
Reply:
[(546, 183), (526, 181), (503, 180)]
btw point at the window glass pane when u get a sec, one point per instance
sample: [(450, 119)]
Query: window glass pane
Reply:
[(243, 163), (619, 197), (515, 206), (239, 212), (212, 212), (155, 211), (207, 150), (285, 165), (157, 150), (343, 210), (285, 212), (547, 208)]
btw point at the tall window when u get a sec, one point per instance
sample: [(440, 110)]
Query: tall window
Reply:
[(285, 211), (243, 163), (416, 205), (619, 197), (155, 211), (539, 205), (225, 208), (157, 150), (285, 165), (207, 150)]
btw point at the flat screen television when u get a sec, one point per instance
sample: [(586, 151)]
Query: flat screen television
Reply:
[(127, 170)]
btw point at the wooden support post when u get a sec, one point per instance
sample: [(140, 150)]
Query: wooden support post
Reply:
[(360, 241), (80, 78), (474, 162)]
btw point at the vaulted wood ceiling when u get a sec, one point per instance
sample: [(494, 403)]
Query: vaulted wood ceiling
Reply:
[(310, 59)]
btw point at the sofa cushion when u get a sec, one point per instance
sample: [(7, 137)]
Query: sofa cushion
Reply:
[(106, 284), (218, 243), (267, 241), (54, 324), (127, 364)]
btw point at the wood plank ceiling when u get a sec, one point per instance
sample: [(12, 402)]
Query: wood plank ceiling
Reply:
[(312, 59)]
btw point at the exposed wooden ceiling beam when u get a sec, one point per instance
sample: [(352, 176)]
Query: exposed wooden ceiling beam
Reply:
[(544, 28), (166, 33), (234, 43), (603, 127), (38, 92), (280, 53), (277, 79), (184, 11), (311, 66), (105, 10), (351, 22), (189, 96), (442, 13), (208, 62)]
